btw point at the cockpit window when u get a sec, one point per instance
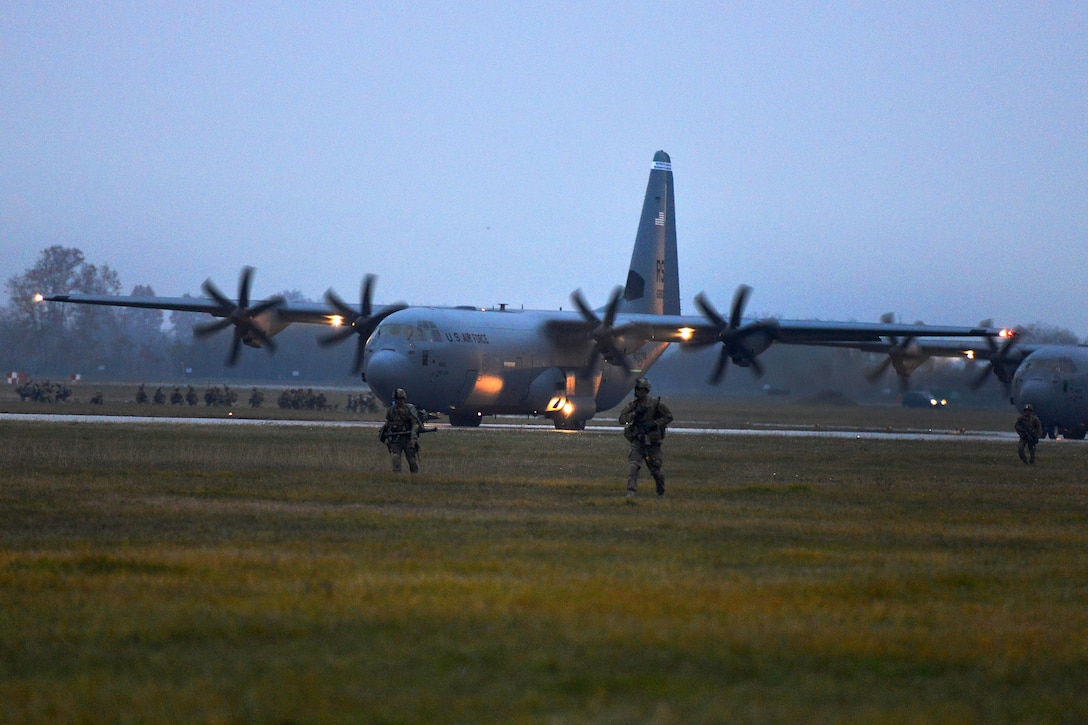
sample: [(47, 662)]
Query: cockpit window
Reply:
[(425, 331), (429, 331), (1065, 365)]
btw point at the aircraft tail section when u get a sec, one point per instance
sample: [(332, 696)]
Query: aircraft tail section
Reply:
[(653, 280)]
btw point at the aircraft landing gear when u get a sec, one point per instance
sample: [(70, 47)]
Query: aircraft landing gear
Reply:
[(1076, 433)]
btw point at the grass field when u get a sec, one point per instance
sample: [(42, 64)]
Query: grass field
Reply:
[(255, 574)]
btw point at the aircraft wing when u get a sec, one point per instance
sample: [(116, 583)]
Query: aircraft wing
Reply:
[(306, 312), (698, 331), (970, 349)]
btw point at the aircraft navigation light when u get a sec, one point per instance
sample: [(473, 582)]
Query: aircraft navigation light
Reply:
[(336, 320), (1008, 333), (970, 354), (686, 333), (39, 297)]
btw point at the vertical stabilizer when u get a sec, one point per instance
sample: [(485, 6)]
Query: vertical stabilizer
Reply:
[(653, 281)]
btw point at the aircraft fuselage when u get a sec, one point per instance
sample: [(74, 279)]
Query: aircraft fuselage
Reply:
[(1054, 380), (469, 362)]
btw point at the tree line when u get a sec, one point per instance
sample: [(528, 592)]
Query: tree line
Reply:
[(111, 343), (124, 344)]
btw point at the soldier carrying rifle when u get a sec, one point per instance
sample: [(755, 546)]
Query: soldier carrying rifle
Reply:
[(1030, 429), (400, 434), (644, 422)]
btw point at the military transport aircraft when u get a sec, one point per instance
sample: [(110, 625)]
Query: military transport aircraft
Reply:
[(1052, 378), (468, 362)]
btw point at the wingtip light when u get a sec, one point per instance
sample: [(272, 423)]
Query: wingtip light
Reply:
[(39, 297)]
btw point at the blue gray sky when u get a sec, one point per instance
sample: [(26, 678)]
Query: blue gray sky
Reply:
[(844, 159)]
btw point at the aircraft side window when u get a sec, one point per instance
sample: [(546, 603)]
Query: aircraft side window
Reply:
[(1066, 365)]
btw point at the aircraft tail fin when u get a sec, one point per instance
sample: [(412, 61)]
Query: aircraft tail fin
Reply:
[(653, 280)]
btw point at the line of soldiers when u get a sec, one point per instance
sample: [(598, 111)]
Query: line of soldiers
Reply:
[(43, 392), (303, 399), (159, 397), (363, 403)]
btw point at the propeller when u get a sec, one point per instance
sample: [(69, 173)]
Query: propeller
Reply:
[(898, 351), (361, 323), (240, 315), (998, 365), (604, 333), (733, 336)]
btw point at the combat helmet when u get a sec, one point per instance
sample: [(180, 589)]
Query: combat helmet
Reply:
[(1028, 408), (642, 384), (399, 394)]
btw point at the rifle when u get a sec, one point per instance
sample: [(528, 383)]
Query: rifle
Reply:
[(384, 434)]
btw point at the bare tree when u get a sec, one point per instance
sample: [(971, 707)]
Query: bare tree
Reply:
[(59, 338)]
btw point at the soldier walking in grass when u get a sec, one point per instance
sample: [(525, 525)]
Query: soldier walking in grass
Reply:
[(644, 421), (400, 434), (1030, 429)]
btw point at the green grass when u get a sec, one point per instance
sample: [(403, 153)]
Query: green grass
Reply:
[(253, 574)]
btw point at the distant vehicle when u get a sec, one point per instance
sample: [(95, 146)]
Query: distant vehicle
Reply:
[(922, 399)]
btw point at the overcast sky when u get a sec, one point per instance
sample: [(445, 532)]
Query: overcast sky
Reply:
[(844, 159)]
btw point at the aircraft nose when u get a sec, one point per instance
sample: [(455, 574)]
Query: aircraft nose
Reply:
[(386, 370), (1037, 393)]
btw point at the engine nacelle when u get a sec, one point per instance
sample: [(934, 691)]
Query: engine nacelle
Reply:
[(754, 343)]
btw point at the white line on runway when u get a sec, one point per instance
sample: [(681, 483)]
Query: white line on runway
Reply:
[(893, 435)]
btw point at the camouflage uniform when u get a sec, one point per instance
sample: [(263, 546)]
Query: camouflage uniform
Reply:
[(401, 432), (644, 420), (1030, 429)]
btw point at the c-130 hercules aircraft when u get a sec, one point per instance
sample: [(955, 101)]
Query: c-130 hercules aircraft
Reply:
[(565, 365)]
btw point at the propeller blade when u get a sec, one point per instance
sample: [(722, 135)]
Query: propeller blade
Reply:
[(612, 307), (342, 308), (235, 348), (335, 338), (720, 368), (212, 291), (245, 279), (740, 300), (205, 329), (708, 310), (583, 307), (269, 304), (357, 360), (878, 372), (365, 294)]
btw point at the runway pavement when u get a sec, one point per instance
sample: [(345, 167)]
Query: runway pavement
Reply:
[(782, 430)]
